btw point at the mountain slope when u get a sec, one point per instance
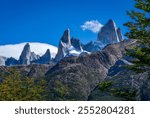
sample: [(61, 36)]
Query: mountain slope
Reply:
[(95, 76), (78, 76)]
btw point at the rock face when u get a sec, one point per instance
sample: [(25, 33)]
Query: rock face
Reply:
[(92, 46), (45, 59), (119, 34), (11, 61), (25, 55), (76, 44), (2, 60), (64, 45), (109, 34), (34, 57), (66, 37), (125, 85)]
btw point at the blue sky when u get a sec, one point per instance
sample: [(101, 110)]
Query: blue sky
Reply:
[(45, 20)]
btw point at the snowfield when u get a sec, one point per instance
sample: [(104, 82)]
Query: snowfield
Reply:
[(14, 50)]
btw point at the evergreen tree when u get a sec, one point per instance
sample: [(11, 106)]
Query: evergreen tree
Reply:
[(139, 29), (16, 88)]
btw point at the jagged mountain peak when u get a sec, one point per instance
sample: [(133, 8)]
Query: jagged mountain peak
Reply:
[(25, 55), (47, 51), (109, 34), (11, 61), (76, 44), (66, 37), (14, 50), (27, 47), (47, 54), (64, 45), (111, 24), (45, 59)]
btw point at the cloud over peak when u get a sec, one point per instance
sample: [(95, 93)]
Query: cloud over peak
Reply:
[(93, 25)]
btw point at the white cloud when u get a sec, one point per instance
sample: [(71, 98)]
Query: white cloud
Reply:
[(93, 25)]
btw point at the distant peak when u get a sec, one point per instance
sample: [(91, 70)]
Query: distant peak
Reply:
[(111, 20), (68, 29), (111, 23), (27, 44), (66, 36), (48, 51), (67, 32)]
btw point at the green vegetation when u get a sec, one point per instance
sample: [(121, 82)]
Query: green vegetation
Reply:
[(15, 88), (59, 91), (121, 92), (125, 93), (139, 29), (103, 86)]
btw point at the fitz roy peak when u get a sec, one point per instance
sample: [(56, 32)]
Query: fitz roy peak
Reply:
[(68, 47), (109, 34)]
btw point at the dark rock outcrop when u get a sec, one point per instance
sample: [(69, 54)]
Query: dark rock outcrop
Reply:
[(76, 44), (11, 61), (45, 59)]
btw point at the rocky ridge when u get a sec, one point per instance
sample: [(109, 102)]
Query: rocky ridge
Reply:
[(81, 75)]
